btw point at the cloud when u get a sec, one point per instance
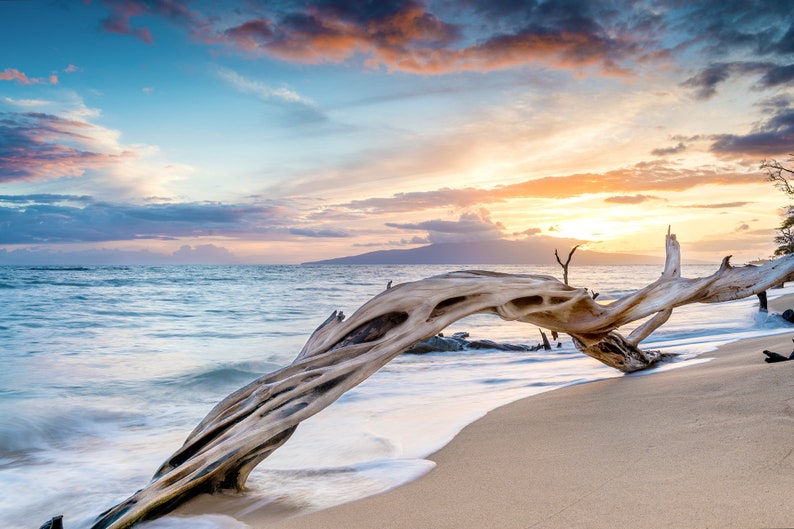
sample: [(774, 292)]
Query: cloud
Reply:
[(705, 82), (301, 109), (722, 27), (747, 242), (669, 150), (421, 200), (119, 22), (261, 90), (469, 227), (413, 241), (319, 233), (770, 138), (36, 145), (528, 232), (122, 11), (26, 103), (723, 205), (414, 35), (423, 37), (48, 219), (67, 141), (43, 198), (201, 254), (407, 36), (636, 199), (729, 30), (334, 31), (777, 76), (642, 177), (12, 74)]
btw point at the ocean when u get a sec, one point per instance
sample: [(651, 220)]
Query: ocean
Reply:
[(106, 369)]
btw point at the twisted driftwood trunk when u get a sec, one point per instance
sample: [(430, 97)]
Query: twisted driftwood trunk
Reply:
[(248, 425)]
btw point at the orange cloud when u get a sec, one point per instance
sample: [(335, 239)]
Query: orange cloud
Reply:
[(643, 177), (414, 40)]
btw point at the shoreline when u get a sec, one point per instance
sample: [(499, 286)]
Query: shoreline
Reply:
[(709, 445)]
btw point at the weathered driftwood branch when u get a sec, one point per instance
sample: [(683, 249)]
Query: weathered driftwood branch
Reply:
[(252, 422), (565, 265)]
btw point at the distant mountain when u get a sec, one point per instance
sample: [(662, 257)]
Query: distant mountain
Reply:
[(491, 253)]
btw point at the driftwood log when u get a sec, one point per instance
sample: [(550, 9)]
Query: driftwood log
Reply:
[(248, 425)]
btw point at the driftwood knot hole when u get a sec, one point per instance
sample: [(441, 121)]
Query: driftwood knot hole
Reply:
[(527, 302), (372, 330), (444, 306)]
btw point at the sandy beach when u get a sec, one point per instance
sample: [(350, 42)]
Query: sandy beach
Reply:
[(711, 445)]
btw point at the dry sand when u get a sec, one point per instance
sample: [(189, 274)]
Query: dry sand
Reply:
[(710, 445)]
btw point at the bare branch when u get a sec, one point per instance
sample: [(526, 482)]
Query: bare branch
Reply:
[(779, 174), (567, 262)]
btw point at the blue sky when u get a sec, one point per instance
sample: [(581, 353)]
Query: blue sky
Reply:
[(286, 131)]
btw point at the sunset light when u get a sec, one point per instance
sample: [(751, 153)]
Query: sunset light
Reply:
[(355, 264), (304, 130)]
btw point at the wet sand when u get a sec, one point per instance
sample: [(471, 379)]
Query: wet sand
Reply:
[(710, 445)]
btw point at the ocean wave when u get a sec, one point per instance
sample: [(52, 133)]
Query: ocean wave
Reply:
[(61, 268), (24, 436), (203, 334), (219, 378), (142, 314), (204, 521)]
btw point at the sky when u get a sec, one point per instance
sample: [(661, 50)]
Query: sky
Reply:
[(288, 131)]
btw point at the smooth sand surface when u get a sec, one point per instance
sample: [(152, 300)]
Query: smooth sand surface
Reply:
[(709, 445)]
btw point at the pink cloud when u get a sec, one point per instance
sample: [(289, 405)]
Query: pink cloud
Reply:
[(12, 74), (122, 11), (35, 146), (119, 21)]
